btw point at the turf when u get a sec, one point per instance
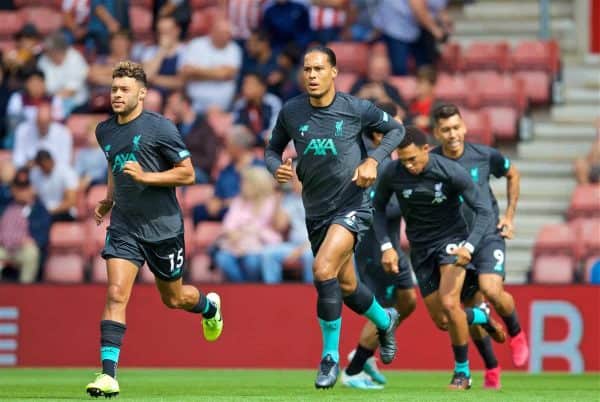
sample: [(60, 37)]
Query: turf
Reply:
[(286, 385)]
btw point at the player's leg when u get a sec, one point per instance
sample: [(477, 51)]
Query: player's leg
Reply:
[(121, 277)]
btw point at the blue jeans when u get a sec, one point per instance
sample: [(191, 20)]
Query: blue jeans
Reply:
[(245, 268), (399, 52), (272, 262)]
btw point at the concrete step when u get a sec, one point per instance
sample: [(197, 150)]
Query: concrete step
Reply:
[(518, 265), (552, 151), (538, 206), (549, 131), (567, 42), (529, 168), (529, 225), (511, 10), (516, 277), (481, 26), (581, 76), (592, 60), (583, 96), (575, 114)]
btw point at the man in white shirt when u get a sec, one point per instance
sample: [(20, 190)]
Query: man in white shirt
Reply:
[(43, 133), (210, 66), (56, 185)]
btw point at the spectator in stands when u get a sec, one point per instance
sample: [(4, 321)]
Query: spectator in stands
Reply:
[(248, 226), (256, 109), (162, 61), (24, 56), (284, 81), (210, 67), (90, 161), (43, 133), (56, 185), (65, 71), (587, 169), (420, 108), (23, 105), (100, 72), (297, 247), (107, 17), (376, 87), (287, 22), (179, 10), (400, 23), (153, 102), (24, 229), (260, 57), (328, 19), (5, 94), (199, 137), (76, 16), (239, 148)]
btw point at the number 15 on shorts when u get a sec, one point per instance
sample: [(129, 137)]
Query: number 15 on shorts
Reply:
[(176, 260)]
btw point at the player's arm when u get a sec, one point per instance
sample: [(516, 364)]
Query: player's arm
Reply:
[(383, 193), (181, 174), (501, 166), (274, 150)]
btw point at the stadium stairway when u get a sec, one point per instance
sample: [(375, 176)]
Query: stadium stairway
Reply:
[(560, 134)]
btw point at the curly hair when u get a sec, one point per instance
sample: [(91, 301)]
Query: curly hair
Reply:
[(130, 69)]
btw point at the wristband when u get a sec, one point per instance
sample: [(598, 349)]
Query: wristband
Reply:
[(386, 246)]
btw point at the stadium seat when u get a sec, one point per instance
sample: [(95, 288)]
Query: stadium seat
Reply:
[(12, 22), (7, 45), (553, 269), (64, 268), (536, 55), (456, 89), (199, 270), (57, 4), (99, 274), (68, 237), (46, 20), (588, 236), (537, 86), (558, 238), (352, 57), (195, 195), (504, 121), (80, 124), (205, 235), (97, 237), (406, 85), (479, 126), (486, 56), (450, 58), (499, 89), (95, 194), (202, 21), (141, 22), (585, 201), (591, 270), (345, 81)]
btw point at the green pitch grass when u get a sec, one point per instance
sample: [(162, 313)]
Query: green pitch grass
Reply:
[(286, 385)]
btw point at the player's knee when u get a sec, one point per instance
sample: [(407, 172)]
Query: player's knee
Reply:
[(116, 295), (492, 292), (450, 304), (323, 269)]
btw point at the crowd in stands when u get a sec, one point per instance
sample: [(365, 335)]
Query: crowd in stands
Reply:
[(220, 70)]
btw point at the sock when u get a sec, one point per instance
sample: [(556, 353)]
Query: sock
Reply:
[(329, 311), (475, 316), (378, 315), (360, 300), (512, 323), (359, 360), (111, 336), (461, 362), (204, 307), (484, 346)]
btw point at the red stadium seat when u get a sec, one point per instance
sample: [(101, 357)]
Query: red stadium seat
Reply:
[(12, 22), (585, 201), (504, 121), (64, 268), (141, 22), (95, 194), (68, 237), (499, 89), (81, 124), (537, 86), (99, 274), (205, 235), (199, 270), (588, 236), (97, 237), (7, 45), (536, 55), (406, 85), (345, 81), (202, 21), (450, 58), (57, 4), (479, 126), (352, 57), (195, 195), (456, 89), (486, 56), (553, 269), (556, 239), (46, 20)]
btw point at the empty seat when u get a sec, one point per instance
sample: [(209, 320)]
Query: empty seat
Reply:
[(591, 270), (68, 237), (345, 81), (553, 269), (352, 57), (537, 86), (95, 194), (99, 273), (141, 22), (96, 237), (201, 21), (450, 58), (588, 236), (479, 126), (504, 121), (499, 89), (46, 20), (486, 56), (199, 270), (64, 268), (585, 201), (195, 195), (456, 89), (406, 85), (205, 235), (556, 239), (12, 22), (536, 55)]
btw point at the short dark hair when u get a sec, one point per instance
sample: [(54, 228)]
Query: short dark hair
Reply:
[(259, 77), (27, 73), (130, 69), (262, 35), (427, 73), (326, 51), (43, 155), (413, 136), (444, 111)]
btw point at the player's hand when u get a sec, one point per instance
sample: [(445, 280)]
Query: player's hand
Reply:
[(103, 207), (389, 260), (463, 256), (135, 171), (284, 172), (366, 173), (506, 227)]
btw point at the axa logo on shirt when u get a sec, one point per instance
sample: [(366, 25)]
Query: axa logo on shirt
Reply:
[(320, 147), (121, 159)]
